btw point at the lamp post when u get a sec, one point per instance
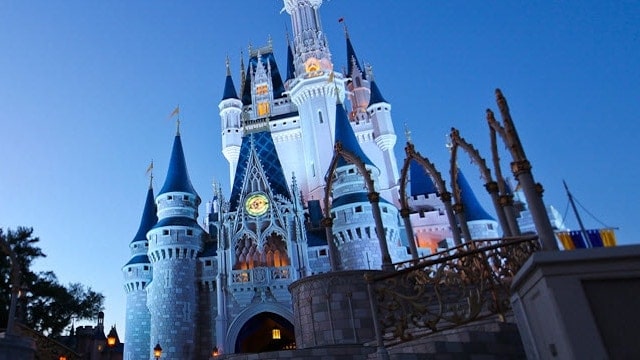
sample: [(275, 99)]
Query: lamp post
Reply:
[(215, 352), (157, 351)]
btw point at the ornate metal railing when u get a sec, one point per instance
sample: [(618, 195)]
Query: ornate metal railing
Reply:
[(448, 289)]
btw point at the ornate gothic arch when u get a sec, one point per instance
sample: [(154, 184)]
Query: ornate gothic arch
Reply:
[(443, 193), (374, 198), (234, 329)]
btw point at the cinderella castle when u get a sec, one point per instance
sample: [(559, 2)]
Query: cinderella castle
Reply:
[(225, 287)]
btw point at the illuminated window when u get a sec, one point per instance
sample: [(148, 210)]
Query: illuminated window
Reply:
[(263, 108), (262, 89)]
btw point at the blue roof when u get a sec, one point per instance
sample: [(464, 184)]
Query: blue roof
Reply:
[(351, 55), (472, 208), (177, 177), (267, 157), (138, 259), (276, 79), (346, 136), (317, 237), (229, 89), (421, 183), (209, 249), (149, 217), (353, 198), (291, 70), (177, 221), (376, 96), (315, 213)]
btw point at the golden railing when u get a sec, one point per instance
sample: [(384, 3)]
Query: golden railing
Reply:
[(448, 289)]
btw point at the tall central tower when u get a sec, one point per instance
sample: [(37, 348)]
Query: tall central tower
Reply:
[(314, 91)]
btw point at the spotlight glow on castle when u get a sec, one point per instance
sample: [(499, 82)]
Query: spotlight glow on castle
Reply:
[(226, 286)]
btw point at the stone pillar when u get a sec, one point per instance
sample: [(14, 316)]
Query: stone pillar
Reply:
[(579, 304)]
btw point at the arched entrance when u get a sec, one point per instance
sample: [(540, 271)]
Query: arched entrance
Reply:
[(261, 332)]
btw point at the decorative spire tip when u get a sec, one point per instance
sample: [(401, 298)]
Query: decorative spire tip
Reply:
[(407, 133)]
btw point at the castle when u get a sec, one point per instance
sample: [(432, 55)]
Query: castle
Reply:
[(225, 287)]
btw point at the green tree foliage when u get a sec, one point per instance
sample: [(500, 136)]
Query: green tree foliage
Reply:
[(45, 305)]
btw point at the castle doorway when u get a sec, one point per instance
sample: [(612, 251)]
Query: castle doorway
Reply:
[(264, 332)]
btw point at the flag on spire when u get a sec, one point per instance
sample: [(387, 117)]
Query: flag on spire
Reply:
[(150, 167), (175, 112)]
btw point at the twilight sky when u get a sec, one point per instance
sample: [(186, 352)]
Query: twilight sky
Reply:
[(86, 88)]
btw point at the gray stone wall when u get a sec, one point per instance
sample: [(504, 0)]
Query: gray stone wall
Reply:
[(137, 341), (332, 309), (172, 304)]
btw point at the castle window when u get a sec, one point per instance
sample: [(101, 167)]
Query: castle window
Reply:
[(385, 210), (169, 197), (189, 232), (322, 252), (320, 116), (185, 197), (262, 89), (146, 267), (263, 108), (207, 263), (165, 232), (490, 226), (358, 209)]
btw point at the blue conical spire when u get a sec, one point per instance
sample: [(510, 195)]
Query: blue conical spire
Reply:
[(421, 182), (352, 59), (149, 217), (177, 177), (346, 136), (291, 70), (376, 95), (472, 208), (229, 87)]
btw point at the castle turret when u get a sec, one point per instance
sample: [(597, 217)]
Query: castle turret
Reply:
[(353, 230), (308, 38), (231, 119), (358, 85), (314, 91), (384, 135), (174, 243), (137, 275)]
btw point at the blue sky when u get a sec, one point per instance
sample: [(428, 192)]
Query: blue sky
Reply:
[(86, 88)]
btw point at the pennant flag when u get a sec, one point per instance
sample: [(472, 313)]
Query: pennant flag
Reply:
[(341, 20), (596, 238), (150, 167), (565, 239), (175, 112)]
